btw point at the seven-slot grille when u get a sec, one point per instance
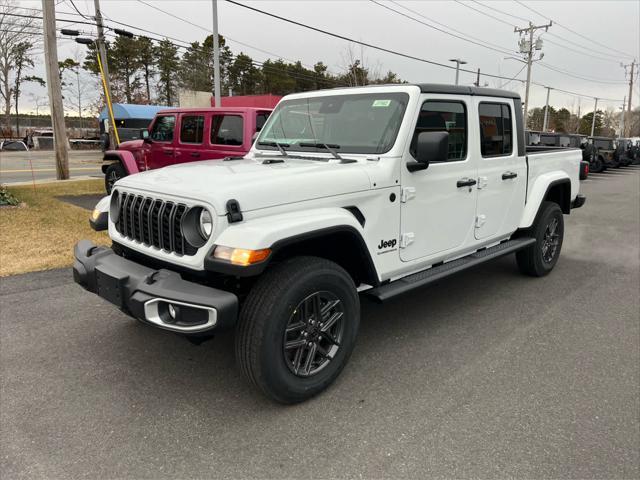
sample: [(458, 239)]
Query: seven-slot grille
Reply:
[(153, 222)]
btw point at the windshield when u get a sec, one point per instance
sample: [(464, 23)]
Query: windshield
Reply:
[(604, 144), (359, 123)]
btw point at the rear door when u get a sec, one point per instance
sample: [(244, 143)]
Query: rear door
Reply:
[(190, 142), (160, 152), (438, 204), (502, 174), (227, 135)]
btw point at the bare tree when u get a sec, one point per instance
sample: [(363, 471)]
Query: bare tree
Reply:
[(14, 33), (75, 84)]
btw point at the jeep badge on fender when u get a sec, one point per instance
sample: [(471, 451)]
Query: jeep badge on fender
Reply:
[(387, 244)]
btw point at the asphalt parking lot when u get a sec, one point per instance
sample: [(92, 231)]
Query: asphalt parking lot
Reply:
[(488, 374), (19, 167)]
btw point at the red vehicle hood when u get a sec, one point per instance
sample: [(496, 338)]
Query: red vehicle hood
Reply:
[(131, 145)]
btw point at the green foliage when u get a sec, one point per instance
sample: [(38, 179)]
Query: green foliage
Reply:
[(586, 120), (7, 198), (167, 63)]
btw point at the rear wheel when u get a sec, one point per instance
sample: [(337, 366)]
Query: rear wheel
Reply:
[(114, 172), (596, 164), (539, 259), (297, 328)]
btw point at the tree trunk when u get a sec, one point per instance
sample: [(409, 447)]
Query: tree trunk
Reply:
[(146, 79)]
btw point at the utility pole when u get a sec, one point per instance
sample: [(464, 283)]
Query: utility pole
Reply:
[(546, 111), (55, 90), (593, 121), (216, 55), (477, 84), (621, 133), (458, 63), (527, 47), (633, 64), (102, 51), (579, 118)]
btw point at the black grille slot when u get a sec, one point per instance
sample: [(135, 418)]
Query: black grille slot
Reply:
[(153, 223)]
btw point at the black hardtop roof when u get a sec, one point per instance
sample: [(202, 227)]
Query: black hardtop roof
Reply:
[(465, 90)]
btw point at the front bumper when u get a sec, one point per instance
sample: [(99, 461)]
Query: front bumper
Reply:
[(159, 297)]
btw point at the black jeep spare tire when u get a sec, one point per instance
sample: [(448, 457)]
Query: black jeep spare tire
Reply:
[(297, 328)]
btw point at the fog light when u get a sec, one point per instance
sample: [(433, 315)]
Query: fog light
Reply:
[(95, 214)]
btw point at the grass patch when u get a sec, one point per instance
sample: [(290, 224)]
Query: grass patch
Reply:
[(40, 235)]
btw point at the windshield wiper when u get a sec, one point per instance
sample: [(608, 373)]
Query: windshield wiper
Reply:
[(275, 144), (328, 147)]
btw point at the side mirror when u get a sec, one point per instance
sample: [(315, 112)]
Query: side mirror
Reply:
[(430, 147), (144, 135)]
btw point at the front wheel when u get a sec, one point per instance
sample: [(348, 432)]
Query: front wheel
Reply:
[(596, 164), (539, 259), (297, 328), (114, 172)]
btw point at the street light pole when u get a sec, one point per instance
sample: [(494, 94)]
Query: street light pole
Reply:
[(458, 63), (216, 55)]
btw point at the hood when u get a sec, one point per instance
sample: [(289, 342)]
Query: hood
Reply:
[(253, 184), (131, 145)]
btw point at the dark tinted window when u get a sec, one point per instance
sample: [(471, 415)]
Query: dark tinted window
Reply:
[(226, 130), (496, 136), (548, 140), (261, 119), (191, 129), (163, 129), (604, 144), (439, 116)]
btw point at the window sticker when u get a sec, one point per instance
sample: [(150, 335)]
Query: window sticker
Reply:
[(381, 103)]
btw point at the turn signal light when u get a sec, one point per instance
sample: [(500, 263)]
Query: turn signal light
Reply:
[(241, 256), (95, 214)]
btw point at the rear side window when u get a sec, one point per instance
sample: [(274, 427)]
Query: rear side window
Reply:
[(191, 129), (496, 135), (261, 119), (444, 116), (227, 130), (162, 130)]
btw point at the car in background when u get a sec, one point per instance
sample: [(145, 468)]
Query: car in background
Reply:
[(182, 135), (13, 146), (604, 155)]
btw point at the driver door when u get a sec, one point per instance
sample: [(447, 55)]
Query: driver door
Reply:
[(160, 152)]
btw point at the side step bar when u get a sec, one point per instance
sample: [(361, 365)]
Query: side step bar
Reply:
[(420, 279)]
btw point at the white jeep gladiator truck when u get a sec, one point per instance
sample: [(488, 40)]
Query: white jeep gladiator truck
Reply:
[(374, 191)]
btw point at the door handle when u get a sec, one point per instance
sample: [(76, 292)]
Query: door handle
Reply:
[(168, 152), (508, 175), (195, 154), (466, 182)]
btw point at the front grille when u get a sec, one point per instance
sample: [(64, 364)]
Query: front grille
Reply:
[(153, 222)]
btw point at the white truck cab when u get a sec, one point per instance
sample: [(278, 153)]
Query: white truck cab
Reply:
[(375, 191)]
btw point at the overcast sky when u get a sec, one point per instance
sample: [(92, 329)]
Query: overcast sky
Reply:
[(614, 25)]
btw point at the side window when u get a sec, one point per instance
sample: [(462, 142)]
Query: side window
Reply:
[(162, 130), (496, 135), (261, 119), (191, 129), (444, 116), (227, 130)]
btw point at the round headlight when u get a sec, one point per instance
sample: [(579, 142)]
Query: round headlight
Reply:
[(206, 223)]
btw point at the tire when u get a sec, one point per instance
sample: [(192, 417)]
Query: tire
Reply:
[(596, 165), (114, 172), (536, 260), (286, 299)]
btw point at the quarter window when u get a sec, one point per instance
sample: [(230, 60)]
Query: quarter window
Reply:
[(444, 116), (191, 129), (226, 130), (261, 119), (496, 135), (162, 130)]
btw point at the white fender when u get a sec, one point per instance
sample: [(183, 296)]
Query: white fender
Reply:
[(265, 231), (536, 194), (103, 204)]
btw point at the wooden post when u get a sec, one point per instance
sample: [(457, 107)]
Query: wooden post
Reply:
[(55, 90)]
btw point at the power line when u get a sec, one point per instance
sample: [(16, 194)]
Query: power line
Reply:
[(593, 80), (501, 11), (573, 31), (79, 12), (483, 45)]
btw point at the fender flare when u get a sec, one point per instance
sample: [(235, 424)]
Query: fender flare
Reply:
[(278, 232), (538, 193), (125, 157)]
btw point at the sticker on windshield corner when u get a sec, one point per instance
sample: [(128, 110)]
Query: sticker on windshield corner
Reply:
[(381, 103)]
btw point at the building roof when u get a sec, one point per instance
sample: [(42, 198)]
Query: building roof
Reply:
[(125, 111)]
